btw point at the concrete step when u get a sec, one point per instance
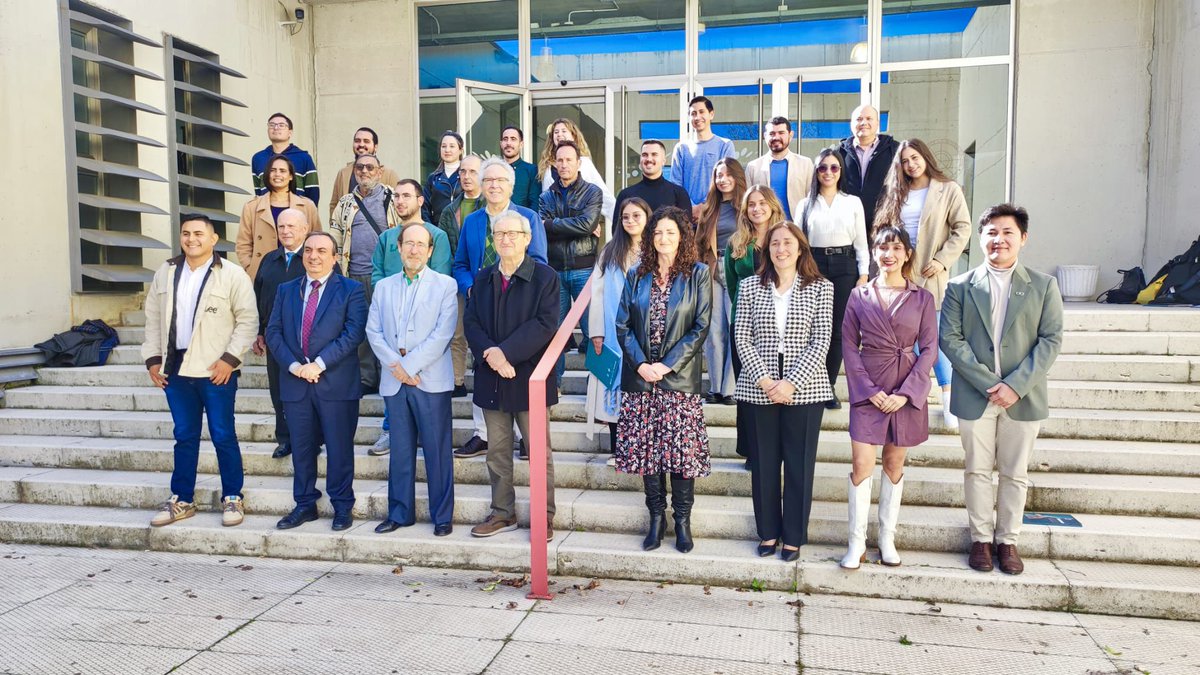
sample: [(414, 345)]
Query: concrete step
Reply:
[(929, 486), (925, 528), (1083, 586), (1112, 424)]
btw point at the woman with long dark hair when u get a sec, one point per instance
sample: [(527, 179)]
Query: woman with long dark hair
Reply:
[(441, 185), (256, 231), (782, 332), (932, 210), (887, 320), (833, 221), (662, 323), (617, 258), (717, 224)]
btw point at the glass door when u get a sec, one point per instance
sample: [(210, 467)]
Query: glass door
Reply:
[(484, 109), (589, 109), (647, 111), (820, 107), (739, 108)]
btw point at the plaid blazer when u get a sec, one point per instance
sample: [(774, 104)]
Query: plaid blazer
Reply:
[(805, 341)]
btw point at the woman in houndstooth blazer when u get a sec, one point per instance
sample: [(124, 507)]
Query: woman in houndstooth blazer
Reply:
[(782, 330)]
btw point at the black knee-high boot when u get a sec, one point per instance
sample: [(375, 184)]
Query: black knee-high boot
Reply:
[(656, 502), (612, 438), (682, 497)]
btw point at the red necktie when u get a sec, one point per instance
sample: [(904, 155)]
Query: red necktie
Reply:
[(310, 313)]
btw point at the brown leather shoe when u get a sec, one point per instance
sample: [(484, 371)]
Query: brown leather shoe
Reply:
[(1010, 560), (981, 556)]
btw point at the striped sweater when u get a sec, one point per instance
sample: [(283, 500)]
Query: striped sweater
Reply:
[(306, 171)]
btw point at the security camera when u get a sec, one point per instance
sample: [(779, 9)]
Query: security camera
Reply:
[(299, 15)]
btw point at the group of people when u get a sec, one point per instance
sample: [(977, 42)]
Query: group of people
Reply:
[(770, 275)]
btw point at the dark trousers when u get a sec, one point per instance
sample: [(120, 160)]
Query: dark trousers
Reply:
[(744, 443), (412, 411), (368, 365), (842, 271), (785, 435), (191, 399), (282, 437), (337, 421)]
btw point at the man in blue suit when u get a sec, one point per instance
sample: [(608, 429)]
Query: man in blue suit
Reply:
[(316, 325), (477, 250), (412, 319)]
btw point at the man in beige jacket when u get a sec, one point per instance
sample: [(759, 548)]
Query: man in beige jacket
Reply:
[(366, 142), (201, 318), (782, 170)]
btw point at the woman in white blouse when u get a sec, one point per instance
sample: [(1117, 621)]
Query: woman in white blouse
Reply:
[(563, 129), (833, 221)]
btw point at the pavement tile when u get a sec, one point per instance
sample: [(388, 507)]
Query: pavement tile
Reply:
[(1107, 621), (949, 631), (660, 637), (872, 656), (379, 645), (1147, 645), (164, 598), (531, 658), (108, 625), (1135, 668), (765, 611), (48, 656), (244, 574), (424, 618), (216, 663), (21, 564), (929, 608), (18, 590), (421, 585)]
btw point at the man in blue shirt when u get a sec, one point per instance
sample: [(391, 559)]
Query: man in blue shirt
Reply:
[(787, 173), (692, 162)]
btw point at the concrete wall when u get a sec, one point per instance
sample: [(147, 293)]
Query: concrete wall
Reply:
[(1082, 114), (365, 70), (1174, 185), (37, 280)]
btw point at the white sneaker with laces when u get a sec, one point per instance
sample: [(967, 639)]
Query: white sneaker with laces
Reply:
[(233, 511)]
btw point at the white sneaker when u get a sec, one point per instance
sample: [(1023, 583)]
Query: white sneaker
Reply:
[(233, 511), (949, 418), (382, 446), (611, 461)]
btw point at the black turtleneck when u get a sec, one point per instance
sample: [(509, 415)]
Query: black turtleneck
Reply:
[(657, 192)]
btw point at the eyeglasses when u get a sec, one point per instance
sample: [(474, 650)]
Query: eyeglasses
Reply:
[(829, 168), (495, 181), (277, 125), (415, 244), (507, 235), (365, 167)]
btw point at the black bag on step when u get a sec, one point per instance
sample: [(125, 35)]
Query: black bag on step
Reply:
[(1182, 283), (1126, 292)]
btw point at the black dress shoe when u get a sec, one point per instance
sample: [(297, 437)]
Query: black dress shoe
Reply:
[(442, 530), (767, 550), (460, 390), (296, 518), (712, 398), (522, 450), (728, 400), (281, 451), (472, 448), (342, 521), (387, 526), (833, 404), (789, 554)]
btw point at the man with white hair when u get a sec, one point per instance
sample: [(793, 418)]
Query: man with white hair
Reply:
[(477, 250), (867, 156), (511, 316)]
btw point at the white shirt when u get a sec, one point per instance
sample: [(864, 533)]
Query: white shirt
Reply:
[(841, 223), (910, 213), (782, 300), (295, 365), (1001, 283), (404, 312), (187, 297)]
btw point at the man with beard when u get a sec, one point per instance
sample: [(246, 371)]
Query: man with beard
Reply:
[(527, 189), (784, 171), (654, 187), (366, 142), (359, 219)]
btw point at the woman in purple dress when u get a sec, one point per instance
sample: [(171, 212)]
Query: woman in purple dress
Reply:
[(885, 319)]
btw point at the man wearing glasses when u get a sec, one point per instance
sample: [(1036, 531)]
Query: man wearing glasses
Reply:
[(359, 220), (279, 131), (477, 250)]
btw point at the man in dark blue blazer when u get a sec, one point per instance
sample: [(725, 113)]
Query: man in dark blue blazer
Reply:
[(316, 325)]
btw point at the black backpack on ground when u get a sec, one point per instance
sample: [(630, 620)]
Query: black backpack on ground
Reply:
[(87, 344), (1182, 283), (1126, 292)]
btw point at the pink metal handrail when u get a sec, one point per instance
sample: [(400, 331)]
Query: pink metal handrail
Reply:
[(539, 575)]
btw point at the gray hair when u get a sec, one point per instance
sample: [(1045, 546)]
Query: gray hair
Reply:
[(371, 155), (471, 156), (497, 161), (510, 214)]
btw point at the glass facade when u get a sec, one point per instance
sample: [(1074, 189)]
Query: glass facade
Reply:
[(945, 29), (573, 41), (477, 40), (773, 34)]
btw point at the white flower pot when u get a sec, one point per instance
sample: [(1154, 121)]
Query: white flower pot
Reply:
[(1077, 283)]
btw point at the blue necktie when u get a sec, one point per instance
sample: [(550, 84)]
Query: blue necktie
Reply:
[(287, 259)]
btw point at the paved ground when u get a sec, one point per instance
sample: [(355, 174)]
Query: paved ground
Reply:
[(65, 610)]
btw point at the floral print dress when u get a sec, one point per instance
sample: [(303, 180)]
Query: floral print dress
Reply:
[(661, 431)]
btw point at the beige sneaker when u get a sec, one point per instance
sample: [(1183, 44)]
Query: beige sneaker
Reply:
[(173, 510), (233, 511)]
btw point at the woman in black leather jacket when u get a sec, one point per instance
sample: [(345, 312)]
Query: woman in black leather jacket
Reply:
[(662, 324)]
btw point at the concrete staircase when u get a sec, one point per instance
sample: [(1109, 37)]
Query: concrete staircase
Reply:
[(85, 457)]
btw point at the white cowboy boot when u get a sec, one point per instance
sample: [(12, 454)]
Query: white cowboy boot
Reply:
[(860, 510), (889, 514)]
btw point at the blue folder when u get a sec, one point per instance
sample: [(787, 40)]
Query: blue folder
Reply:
[(606, 365)]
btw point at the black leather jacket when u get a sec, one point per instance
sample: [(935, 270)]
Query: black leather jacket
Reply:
[(570, 216), (689, 308)]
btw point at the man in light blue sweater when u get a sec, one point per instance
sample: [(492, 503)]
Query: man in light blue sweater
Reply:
[(692, 162)]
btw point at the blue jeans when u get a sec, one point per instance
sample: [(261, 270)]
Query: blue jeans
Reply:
[(570, 285), (190, 399), (942, 370), (717, 346)]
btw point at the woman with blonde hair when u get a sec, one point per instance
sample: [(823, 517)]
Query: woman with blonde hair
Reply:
[(717, 223), (563, 129), (932, 210)]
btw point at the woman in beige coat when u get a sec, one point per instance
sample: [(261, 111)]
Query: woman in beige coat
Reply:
[(256, 232), (931, 208)]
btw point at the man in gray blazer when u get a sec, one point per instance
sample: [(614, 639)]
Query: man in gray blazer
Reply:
[(412, 320), (1002, 329)]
